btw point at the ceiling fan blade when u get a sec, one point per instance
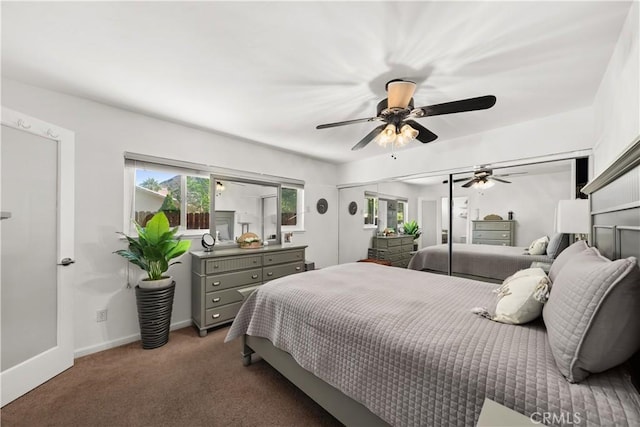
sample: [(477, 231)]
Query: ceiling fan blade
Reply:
[(511, 174), (471, 104), (367, 139), (499, 180), (400, 93), (462, 179), (469, 184), (424, 134), (347, 122), (446, 181)]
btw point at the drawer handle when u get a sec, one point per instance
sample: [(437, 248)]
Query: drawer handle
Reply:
[(297, 268), (216, 283), (504, 235), (270, 273), (216, 299), (270, 259), (255, 261), (215, 266), (254, 276), (215, 316)]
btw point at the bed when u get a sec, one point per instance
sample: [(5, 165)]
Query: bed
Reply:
[(482, 262), (376, 345)]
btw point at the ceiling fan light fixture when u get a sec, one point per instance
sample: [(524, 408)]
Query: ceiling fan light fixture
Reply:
[(408, 132), (483, 184), (387, 136), (400, 93)]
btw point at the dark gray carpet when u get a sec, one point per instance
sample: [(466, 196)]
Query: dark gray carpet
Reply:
[(191, 381)]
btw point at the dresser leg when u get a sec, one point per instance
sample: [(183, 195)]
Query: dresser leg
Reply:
[(203, 332)]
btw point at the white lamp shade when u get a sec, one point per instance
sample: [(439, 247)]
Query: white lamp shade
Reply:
[(573, 217)]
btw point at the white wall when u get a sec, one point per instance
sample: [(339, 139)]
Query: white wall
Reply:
[(103, 134), (617, 103)]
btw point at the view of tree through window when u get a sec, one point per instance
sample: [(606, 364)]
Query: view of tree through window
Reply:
[(401, 209), (186, 199), (289, 206), (371, 210), (160, 191)]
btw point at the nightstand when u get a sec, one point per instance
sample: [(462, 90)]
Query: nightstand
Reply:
[(546, 266), (495, 415)]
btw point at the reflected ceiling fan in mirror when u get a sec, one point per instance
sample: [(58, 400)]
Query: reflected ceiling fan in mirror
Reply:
[(483, 178), (398, 113)]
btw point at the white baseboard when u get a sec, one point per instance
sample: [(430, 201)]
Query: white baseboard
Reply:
[(121, 341)]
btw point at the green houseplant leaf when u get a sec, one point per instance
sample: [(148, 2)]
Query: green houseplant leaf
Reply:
[(411, 228), (155, 246)]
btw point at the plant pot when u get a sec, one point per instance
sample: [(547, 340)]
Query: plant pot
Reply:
[(155, 284), (154, 314)]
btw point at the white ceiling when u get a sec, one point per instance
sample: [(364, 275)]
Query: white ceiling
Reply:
[(270, 72)]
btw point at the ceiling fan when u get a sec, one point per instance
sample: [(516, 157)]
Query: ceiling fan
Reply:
[(398, 113), (483, 178)]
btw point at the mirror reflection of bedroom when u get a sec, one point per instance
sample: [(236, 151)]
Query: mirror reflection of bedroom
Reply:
[(497, 212), (241, 207)]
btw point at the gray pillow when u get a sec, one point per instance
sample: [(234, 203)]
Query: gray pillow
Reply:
[(558, 243), (565, 256), (592, 316)]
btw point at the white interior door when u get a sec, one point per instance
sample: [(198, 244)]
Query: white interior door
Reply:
[(36, 233)]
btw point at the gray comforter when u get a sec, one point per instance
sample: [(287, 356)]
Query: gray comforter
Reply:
[(406, 345), (489, 261)]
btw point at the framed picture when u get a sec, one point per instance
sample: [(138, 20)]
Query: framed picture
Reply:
[(287, 238)]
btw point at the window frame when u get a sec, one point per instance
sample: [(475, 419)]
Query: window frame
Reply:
[(299, 210), (133, 161), (130, 187)]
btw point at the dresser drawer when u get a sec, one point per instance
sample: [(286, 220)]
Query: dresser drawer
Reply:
[(221, 314), (231, 280), (491, 225), (236, 263), (492, 242), (283, 257), (492, 235), (216, 299), (276, 271)]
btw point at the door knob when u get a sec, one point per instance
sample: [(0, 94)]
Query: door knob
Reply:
[(66, 261)]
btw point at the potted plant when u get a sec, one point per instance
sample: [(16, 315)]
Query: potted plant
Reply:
[(411, 228), (152, 251)]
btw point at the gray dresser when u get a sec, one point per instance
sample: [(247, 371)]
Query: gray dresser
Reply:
[(395, 249), (223, 278), (494, 232)]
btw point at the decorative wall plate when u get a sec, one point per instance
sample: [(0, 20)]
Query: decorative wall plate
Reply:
[(353, 208), (322, 206)]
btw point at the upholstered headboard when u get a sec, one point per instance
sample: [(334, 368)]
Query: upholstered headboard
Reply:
[(615, 214), (225, 221)]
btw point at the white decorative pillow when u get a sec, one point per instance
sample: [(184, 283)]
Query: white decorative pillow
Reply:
[(539, 246), (520, 298), (535, 271)]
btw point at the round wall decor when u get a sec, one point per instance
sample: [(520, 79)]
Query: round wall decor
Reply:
[(322, 206), (353, 208)]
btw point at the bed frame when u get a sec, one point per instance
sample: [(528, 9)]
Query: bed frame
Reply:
[(615, 212)]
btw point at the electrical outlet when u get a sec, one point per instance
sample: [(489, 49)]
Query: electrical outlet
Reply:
[(101, 315)]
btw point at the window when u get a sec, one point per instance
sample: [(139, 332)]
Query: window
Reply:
[(187, 192), (402, 212), (292, 208), (160, 190), (370, 210)]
